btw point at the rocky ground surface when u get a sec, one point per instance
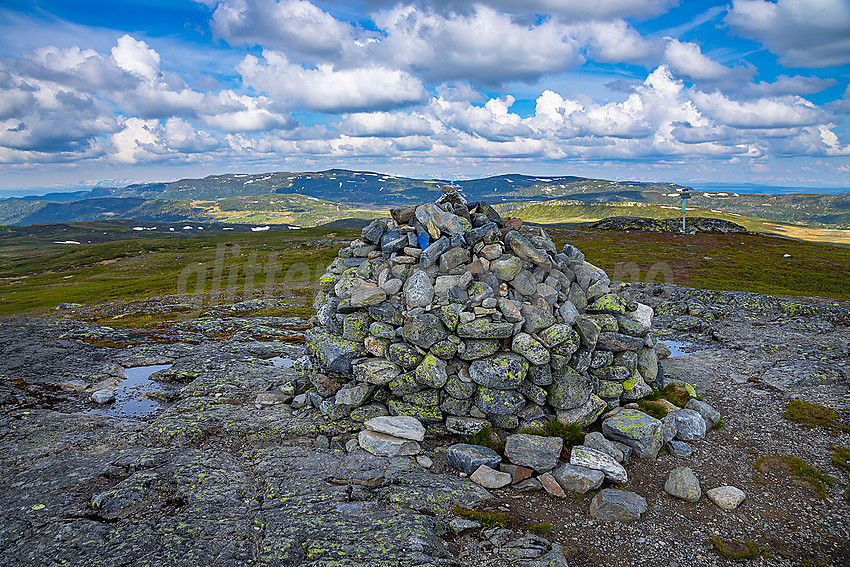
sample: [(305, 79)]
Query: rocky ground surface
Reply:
[(214, 472)]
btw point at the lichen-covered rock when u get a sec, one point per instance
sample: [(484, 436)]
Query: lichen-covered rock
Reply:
[(498, 402), (465, 425), (422, 413), (569, 389), (608, 304), (503, 371), (457, 388), (431, 372), (529, 347), (473, 349), (404, 355), (485, 329), (376, 371), (636, 429), (334, 352)]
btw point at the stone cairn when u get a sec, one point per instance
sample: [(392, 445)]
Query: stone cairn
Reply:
[(460, 318)]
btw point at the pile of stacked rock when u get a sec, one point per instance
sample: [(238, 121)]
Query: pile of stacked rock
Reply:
[(451, 314)]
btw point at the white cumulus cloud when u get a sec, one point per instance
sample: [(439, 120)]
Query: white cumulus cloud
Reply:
[(776, 112), (325, 88), (293, 26), (804, 33)]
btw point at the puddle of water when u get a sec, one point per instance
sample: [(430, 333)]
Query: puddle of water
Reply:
[(129, 396), (680, 348), (281, 361)]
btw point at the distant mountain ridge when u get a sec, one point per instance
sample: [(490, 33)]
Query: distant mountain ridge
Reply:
[(358, 187), (312, 198)]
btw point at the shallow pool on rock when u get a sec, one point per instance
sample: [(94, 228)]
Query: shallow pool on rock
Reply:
[(681, 348), (281, 361), (130, 395)]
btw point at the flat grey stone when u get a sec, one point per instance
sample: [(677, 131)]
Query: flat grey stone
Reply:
[(490, 478), (467, 458), (585, 414), (402, 426), (353, 395), (418, 290), (385, 445), (536, 318), (534, 451), (596, 440), (376, 371), (679, 448)]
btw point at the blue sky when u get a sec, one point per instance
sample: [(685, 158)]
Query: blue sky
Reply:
[(747, 91)]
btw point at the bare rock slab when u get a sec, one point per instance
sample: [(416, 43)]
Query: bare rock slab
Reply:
[(683, 483), (726, 497), (534, 451), (467, 458), (385, 445), (611, 505), (402, 426)]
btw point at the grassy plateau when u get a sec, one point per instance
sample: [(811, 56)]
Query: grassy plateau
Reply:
[(113, 265)]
